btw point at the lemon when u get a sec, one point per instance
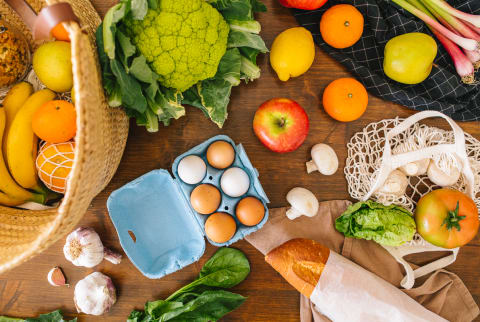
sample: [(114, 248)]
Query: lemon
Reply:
[(53, 66), (292, 53)]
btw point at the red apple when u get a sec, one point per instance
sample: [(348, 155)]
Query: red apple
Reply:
[(303, 4), (281, 124)]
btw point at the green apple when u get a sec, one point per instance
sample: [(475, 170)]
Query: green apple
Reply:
[(409, 57)]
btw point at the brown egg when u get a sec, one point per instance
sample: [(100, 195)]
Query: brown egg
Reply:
[(220, 227), (250, 211), (220, 154), (205, 199)]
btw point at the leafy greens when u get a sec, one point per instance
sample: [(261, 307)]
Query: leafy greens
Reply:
[(55, 316), (130, 82), (204, 299)]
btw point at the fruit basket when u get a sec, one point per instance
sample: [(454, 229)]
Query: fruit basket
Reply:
[(99, 143)]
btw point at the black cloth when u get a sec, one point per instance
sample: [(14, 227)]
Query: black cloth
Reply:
[(442, 90)]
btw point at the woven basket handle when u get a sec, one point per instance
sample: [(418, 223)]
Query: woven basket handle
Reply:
[(391, 162), (46, 20)]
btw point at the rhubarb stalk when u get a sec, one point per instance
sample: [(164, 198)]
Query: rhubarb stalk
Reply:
[(466, 43), (473, 19)]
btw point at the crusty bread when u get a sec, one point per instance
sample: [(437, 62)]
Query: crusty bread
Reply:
[(301, 262)]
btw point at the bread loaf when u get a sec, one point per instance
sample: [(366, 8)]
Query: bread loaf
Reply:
[(301, 262)]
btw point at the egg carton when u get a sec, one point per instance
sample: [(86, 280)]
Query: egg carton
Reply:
[(158, 228)]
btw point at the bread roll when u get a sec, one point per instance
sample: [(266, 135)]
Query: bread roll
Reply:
[(301, 262)]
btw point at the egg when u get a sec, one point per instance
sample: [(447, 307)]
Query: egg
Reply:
[(220, 227), (220, 154), (205, 199), (235, 182), (192, 169), (250, 211)]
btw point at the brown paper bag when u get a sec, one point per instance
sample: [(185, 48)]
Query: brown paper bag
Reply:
[(442, 292)]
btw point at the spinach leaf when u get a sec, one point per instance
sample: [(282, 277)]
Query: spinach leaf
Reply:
[(9, 319), (227, 268), (245, 39), (125, 44), (215, 95), (252, 26), (258, 6), (130, 88), (114, 15), (137, 316), (209, 306), (157, 308), (234, 9)]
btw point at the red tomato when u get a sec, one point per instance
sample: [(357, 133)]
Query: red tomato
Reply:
[(303, 4), (447, 218)]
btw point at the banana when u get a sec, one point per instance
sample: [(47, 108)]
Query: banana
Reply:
[(22, 142), (11, 192), (14, 100)]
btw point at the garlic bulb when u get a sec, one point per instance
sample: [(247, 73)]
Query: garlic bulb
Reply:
[(395, 184), (416, 168), (95, 294), (84, 248)]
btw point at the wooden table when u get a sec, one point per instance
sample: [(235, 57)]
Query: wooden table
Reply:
[(26, 292)]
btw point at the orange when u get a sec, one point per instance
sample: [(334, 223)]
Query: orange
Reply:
[(341, 26), (345, 99), (60, 33), (55, 121), (54, 163)]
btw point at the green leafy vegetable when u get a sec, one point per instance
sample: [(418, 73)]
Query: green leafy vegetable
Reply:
[(387, 225), (55, 316), (150, 60), (204, 299)]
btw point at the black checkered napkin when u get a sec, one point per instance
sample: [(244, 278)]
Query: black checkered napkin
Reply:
[(442, 90)]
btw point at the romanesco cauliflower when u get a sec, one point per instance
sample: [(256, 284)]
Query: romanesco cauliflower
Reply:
[(183, 40)]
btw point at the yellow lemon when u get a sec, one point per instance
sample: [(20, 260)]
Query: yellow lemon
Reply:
[(53, 66), (292, 53)]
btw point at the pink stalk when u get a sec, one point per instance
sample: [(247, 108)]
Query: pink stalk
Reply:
[(476, 29), (474, 57), (448, 20), (473, 19), (466, 43), (462, 64)]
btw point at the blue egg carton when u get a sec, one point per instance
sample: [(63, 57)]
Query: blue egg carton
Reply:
[(157, 227)]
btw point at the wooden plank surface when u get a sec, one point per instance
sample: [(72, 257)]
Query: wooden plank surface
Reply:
[(26, 292)]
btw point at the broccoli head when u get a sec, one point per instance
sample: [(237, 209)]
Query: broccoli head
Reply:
[(182, 40)]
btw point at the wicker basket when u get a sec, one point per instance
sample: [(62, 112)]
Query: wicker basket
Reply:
[(101, 136)]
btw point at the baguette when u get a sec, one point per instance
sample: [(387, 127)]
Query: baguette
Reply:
[(300, 262)]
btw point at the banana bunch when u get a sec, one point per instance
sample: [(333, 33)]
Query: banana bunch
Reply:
[(18, 175)]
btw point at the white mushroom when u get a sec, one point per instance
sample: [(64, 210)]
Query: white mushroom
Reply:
[(416, 168), (395, 184), (442, 178), (303, 202), (324, 160)]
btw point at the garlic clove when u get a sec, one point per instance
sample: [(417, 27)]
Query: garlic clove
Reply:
[(395, 184), (111, 256), (416, 168), (56, 277), (95, 294)]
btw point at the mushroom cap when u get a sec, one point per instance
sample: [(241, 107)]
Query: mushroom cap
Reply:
[(325, 158), (303, 200)]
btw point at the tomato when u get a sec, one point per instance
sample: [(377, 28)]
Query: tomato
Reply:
[(447, 218)]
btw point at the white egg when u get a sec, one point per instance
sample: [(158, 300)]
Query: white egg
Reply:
[(235, 182), (192, 169)]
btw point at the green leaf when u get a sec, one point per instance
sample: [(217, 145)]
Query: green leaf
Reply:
[(132, 95), (9, 319), (55, 316), (249, 71), (157, 308), (252, 26), (113, 15), (172, 106), (229, 67), (136, 316), (139, 9), (209, 306), (142, 71), (125, 44), (258, 6), (215, 96), (234, 9), (245, 39), (250, 53), (153, 4), (115, 96), (109, 82), (151, 120), (226, 268)]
